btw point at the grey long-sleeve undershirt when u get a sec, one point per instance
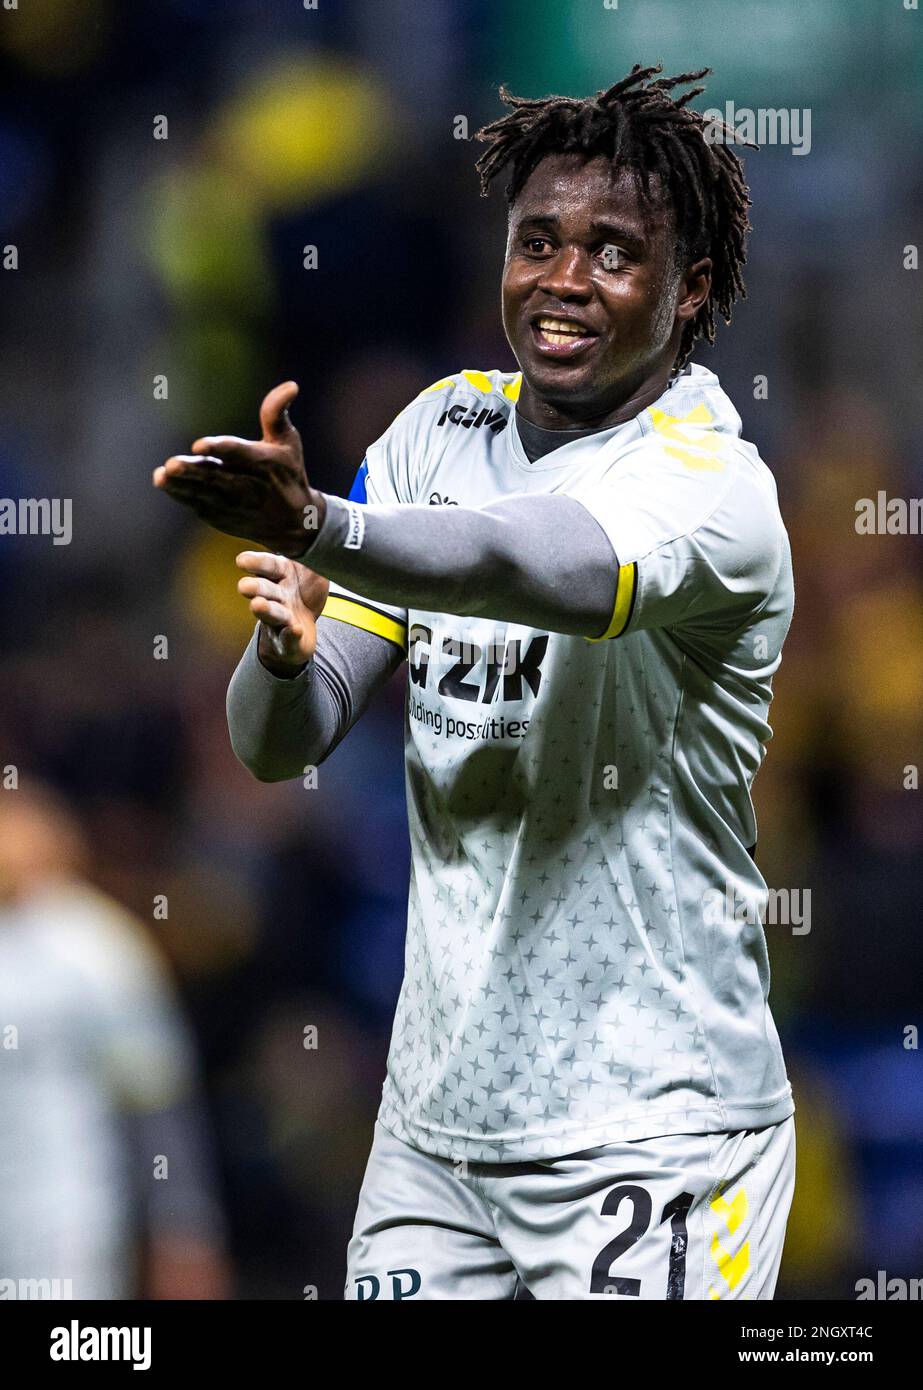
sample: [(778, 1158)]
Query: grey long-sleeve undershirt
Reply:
[(538, 560), (280, 725)]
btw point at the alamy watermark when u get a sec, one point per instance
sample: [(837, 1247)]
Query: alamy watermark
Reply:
[(35, 1290), (767, 125), (889, 1290), (882, 515), (79, 1342), (777, 907), (37, 516)]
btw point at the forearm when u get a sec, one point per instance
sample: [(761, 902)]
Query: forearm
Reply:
[(538, 560), (280, 726)]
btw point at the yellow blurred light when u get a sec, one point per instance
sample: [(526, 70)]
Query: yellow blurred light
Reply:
[(824, 1216), (206, 588), (203, 232), (305, 129), (878, 680), (880, 640)]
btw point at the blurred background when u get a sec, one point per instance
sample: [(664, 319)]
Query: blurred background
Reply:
[(169, 928)]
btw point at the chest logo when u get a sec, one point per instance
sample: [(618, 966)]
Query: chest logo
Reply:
[(472, 418)]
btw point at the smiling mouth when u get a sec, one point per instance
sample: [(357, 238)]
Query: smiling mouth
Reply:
[(560, 335)]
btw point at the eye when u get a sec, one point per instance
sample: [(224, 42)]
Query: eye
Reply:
[(536, 245)]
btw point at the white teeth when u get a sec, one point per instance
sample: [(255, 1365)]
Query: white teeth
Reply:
[(559, 331)]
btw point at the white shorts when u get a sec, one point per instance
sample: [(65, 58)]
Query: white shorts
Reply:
[(682, 1216)]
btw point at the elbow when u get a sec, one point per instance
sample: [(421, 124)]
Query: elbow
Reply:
[(262, 773), (252, 746), (263, 768), (268, 775)]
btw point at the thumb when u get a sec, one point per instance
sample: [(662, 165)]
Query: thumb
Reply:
[(274, 417)]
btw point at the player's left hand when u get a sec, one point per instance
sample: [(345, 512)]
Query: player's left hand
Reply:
[(257, 489)]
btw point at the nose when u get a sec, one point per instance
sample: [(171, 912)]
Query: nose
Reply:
[(567, 274)]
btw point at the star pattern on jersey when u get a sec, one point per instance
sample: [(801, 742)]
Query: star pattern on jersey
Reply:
[(545, 985)]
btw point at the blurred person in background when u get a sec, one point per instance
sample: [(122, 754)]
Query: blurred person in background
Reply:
[(105, 1181)]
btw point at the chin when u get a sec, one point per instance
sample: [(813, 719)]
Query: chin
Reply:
[(545, 370), (571, 383)]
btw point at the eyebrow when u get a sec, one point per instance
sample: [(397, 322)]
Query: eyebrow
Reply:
[(614, 231)]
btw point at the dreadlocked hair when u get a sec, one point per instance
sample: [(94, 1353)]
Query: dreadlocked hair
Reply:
[(640, 127)]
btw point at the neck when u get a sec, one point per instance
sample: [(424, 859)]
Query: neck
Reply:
[(559, 415)]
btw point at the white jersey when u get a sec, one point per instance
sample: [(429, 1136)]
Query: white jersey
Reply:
[(585, 962)]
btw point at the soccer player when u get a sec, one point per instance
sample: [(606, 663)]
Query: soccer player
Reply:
[(584, 565)]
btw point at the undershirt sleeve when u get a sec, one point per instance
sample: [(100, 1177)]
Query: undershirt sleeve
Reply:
[(537, 559), (279, 725)]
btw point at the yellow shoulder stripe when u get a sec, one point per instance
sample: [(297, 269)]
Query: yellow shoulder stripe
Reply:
[(624, 603), (481, 382), (690, 438), (358, 614)]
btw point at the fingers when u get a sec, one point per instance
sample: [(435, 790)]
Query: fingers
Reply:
[(262, 563), (207, 494), (211, 490), (266, 599), (181, 467), (274, 418), (265, 595), (273, 614), (231, 450), (262, 588), (211, 480)]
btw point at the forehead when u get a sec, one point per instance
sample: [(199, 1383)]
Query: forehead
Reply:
[(570, 185)]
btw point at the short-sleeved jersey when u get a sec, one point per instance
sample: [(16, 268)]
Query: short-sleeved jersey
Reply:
[(585, 961)]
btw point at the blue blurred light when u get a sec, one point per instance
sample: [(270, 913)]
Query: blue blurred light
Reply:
[(24, 173)]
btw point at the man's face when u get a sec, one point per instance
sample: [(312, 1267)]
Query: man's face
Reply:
[(590, 288)]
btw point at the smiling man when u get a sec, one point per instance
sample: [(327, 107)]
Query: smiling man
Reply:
[(585, 1095)]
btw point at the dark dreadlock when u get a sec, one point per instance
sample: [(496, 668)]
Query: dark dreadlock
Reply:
[(640, 127)]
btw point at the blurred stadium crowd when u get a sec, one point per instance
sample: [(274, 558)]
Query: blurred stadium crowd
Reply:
[(183, 258)]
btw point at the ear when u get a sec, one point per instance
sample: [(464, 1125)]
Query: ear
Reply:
[(694, 289)]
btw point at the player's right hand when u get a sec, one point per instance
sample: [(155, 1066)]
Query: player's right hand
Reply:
[(288, 598)]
